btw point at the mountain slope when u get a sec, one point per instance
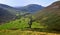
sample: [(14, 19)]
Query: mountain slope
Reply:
[(50, 16), (7, 13)]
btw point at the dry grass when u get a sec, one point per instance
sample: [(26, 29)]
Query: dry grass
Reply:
[(19, 32)]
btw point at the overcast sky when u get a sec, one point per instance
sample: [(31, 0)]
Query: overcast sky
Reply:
[(15, 3)]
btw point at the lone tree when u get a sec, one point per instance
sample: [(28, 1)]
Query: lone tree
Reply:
[(30, 22)]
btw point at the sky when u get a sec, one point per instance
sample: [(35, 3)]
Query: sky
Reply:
[(15, 3)]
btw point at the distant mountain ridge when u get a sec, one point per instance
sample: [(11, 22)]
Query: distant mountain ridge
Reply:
[(30, 8), (5, 6)]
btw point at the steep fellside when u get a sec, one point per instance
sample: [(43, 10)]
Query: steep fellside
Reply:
[(50, 16)]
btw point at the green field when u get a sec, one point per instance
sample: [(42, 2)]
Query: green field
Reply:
[(19, 24)]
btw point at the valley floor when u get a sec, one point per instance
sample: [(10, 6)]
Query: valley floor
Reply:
[(19, 32), (21, 27)]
